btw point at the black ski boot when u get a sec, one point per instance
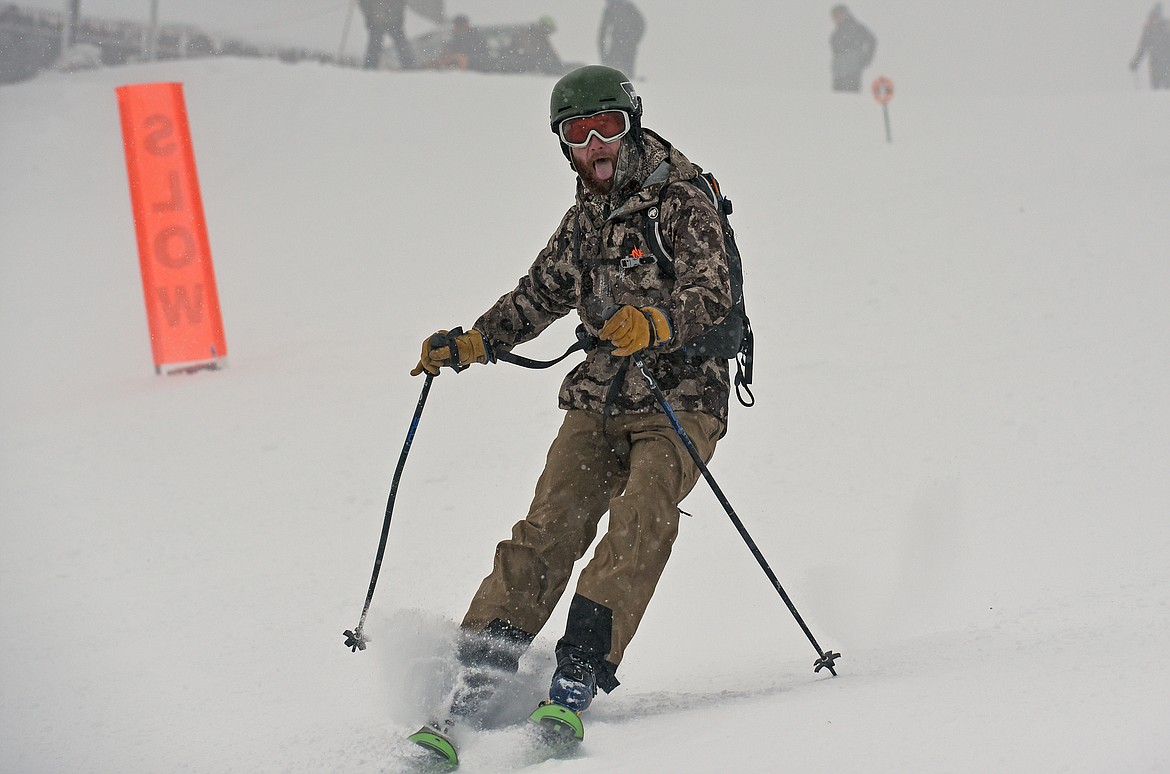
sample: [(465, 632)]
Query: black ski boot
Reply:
[(573, 687), (573, 684)]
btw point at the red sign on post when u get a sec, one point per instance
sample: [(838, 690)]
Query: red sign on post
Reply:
[(182, 305), (883, 90)]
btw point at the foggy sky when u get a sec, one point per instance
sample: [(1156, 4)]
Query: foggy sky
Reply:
[(996, 46)]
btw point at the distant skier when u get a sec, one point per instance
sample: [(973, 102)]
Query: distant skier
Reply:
[(386, 17), (1155, 43), (853, 47), (616, 450), (622, 27), (467, 48)]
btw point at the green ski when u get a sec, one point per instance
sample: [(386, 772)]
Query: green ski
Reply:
[(437, 743), (558, 721), (559, 727)]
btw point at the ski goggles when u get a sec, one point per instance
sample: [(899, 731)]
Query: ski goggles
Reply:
[(608, 125)]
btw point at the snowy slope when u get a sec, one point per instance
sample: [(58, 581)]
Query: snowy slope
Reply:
[(956, 467)]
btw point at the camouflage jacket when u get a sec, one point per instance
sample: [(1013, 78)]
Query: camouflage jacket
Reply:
[(579, 270)]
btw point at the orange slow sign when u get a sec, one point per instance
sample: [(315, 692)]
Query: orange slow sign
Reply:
[(182, 306)]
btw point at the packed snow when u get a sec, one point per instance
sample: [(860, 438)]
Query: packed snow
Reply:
[(957, 465)]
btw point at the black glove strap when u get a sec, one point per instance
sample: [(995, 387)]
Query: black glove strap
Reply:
[(448, 340), (584, 343)]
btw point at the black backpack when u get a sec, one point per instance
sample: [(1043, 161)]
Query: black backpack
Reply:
[(732, 339)]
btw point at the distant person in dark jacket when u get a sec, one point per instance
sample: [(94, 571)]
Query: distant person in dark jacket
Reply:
[(853, 47), (467, 49), (386, 17), (1155, 43), (622, 27)]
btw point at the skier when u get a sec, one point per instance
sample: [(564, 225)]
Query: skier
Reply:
[(1156, 43), (467, 48), (622, 26), (386, 17), (853, 47), (615, 450)]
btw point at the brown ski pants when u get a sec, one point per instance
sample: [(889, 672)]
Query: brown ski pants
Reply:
[(634, 466)]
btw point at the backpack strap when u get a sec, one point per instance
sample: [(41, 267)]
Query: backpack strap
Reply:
[(743, 366), (707, 183), (652, 233), (652, 226)]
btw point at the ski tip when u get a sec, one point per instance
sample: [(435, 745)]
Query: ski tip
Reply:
[(558, 720), (433, 741)]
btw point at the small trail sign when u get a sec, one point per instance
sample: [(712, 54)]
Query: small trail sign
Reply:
[(883, 92)]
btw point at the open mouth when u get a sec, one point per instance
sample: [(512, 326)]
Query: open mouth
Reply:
[(603, 168)]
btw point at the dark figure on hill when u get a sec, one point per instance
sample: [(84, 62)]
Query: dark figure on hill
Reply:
[(1155, 44), (467, 49), (622, 27), (385, 17), (853, 47)]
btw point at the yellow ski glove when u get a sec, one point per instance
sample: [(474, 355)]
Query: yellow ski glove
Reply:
[(632, 330), (454, 349)]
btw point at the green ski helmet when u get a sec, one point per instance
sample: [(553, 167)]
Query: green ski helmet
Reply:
[(591, 89)]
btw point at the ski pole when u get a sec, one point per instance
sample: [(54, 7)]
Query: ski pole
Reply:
[(345, 32), (355, 640), (825, 660)]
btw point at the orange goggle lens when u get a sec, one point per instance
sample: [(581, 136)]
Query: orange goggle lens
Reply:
[(608, 125)]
